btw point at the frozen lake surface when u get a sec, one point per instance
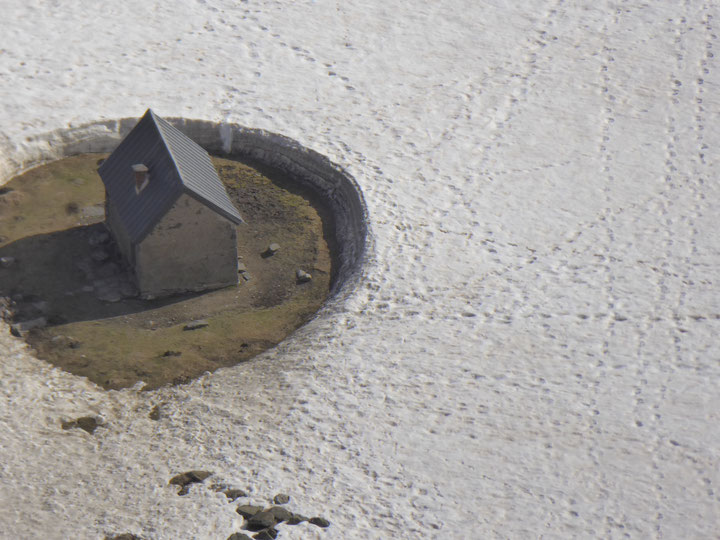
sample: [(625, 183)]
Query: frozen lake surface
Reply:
[(532, 350)]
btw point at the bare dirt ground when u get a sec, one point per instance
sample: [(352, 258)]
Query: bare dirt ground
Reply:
[(51, 222)]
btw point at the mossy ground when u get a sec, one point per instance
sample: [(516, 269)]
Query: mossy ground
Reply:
[(47, 216)]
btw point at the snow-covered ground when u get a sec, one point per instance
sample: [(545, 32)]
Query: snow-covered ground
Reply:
[(532, 350)]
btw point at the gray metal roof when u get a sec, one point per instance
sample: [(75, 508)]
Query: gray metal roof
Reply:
[(176, 165)]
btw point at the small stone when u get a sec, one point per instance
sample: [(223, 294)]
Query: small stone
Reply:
[(109, 295), (124, 536), (233, 494), (296, 518), (267, 534), (280, 513), (238, 536), (302, 276), (246, 276), (320, 522), (261, 520), (7, 262), (248, 510), (167, 354), (86, 423), (242, 268), (185, 479), (271, 250), (155, 413), (195, 325), (22, 328), (281, 498)]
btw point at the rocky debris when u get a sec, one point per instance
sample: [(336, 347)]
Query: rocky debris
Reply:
[(99, 255), (238, 536), (7, 262), (302, 276), (155, 412), (266, 534), (271, 250), (248, 510), (261, 520), (86, 423), (196, 325), (281, 498), (98, 238), (184, 480), (19, 329), (65, 341), (280, 513), (233, 494), (296, 518), (320, 522)]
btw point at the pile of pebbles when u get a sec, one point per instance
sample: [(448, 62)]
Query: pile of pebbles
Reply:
[(260, 521)]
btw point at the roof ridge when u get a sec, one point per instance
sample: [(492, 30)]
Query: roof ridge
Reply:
[(158, 126)]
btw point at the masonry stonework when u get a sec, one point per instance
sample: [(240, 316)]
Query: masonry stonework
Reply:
[(191, 248)]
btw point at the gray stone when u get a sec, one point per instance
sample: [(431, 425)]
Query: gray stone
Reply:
[(261, 520), (281, 498), (196, 325), (320, 522), (302, 276), (233, 494), (86, 423), (267, 534), (280, 513), (107, 294), (248, 510), (21, 328), (238, 536), (241, 267), (273, 248), (185, 479), (295, 519), (7, 262)]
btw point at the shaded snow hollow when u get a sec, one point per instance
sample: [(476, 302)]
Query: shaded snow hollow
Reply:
[(530, 350)]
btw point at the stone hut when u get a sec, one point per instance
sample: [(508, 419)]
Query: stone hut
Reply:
[(169, 212)]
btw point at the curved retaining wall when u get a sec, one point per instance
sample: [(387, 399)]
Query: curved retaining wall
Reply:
[(335, 186)]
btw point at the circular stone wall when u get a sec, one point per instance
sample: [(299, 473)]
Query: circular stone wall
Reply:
[(338, 190)]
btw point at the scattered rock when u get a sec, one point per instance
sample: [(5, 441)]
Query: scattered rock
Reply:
[(248, 510), (320, 522), (261, 520), (267, 534), (280, 513), (195, 325), (302, 276), (238, 536), (233, 494), (99, 255), (296, 518), (66, 341), (155, 413), (281, 498), (271, 250), (22, 328), (185, 479), (86, 423), (7, 262)]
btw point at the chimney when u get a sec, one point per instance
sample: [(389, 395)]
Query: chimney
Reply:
[(141, 176)]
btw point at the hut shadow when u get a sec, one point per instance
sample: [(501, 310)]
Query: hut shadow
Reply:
[(69, 276)]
